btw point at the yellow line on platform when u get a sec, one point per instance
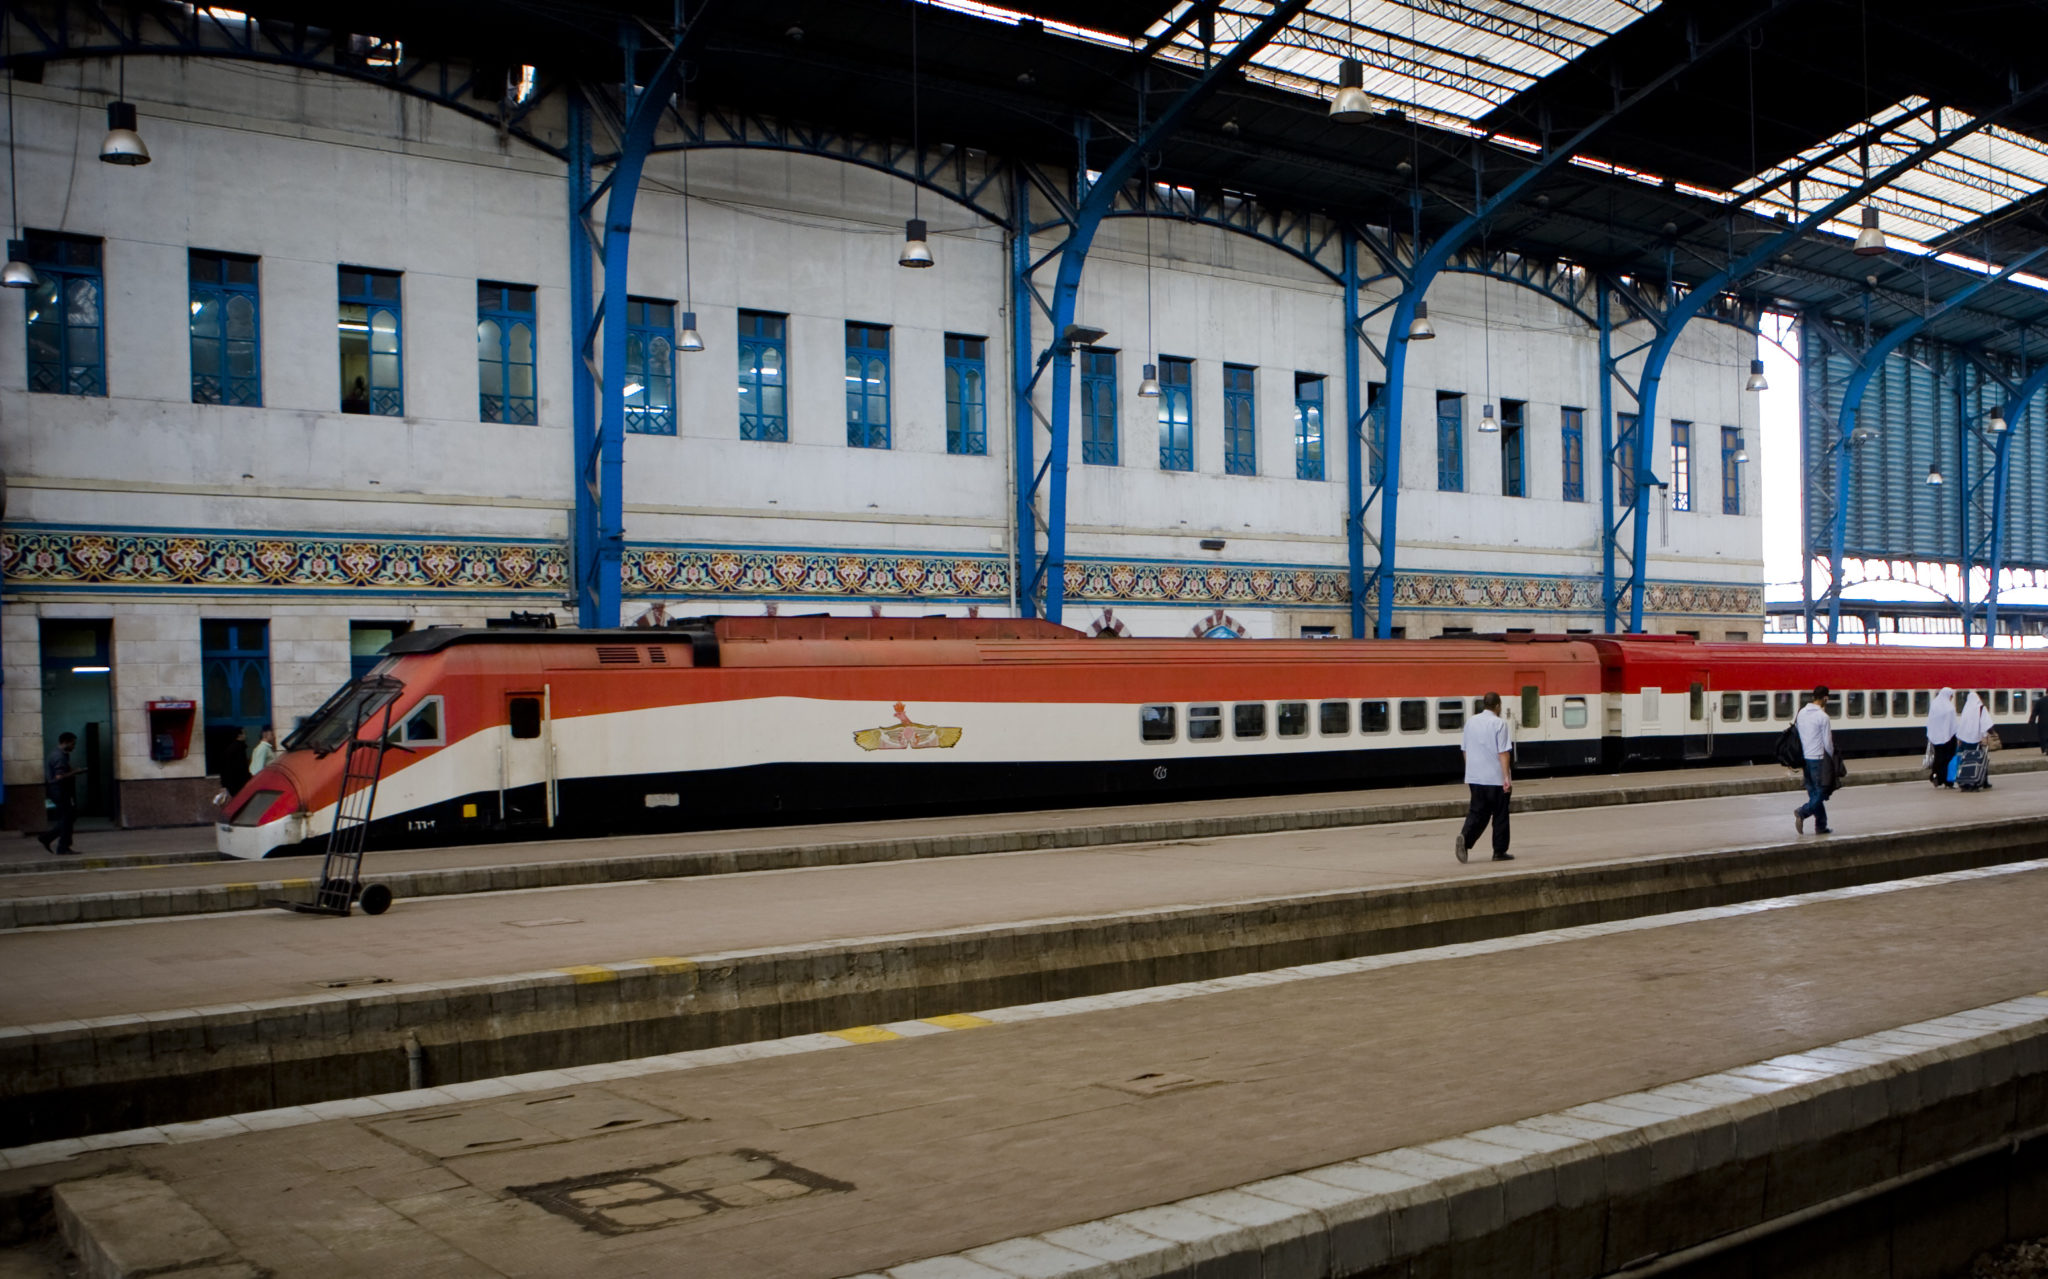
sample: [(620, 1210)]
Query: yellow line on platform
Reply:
[(864, 1035), (669, 964), (585, 974), (957, 1021)]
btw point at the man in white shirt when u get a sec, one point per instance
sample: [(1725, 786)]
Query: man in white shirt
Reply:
[(1817, 744), (1488, 772)]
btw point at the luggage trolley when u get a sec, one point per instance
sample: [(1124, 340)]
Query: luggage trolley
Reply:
[(341, 873)]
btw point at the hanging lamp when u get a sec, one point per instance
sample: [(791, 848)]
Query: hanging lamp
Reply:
[(917, 251), (1419, 328), (123, 145), (17, 274), (1934, 475), (1870, 240), (1488, 423), (1757, 381), (1352, 105), (687, 338), (1148, 385), (1995, 423)]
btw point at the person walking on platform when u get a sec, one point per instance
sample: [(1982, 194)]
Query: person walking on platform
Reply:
[(1489, 772), (60, 787), (1817, 745), (1973, 725), (2039, 719), (1941, 736), (266, 750)]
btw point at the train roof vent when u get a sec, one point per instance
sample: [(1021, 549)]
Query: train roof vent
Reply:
[(618, 655), (657, 655)]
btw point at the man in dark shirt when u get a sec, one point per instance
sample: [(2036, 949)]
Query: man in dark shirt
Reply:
[(60, 787)]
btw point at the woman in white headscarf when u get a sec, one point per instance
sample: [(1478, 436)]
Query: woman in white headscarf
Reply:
[(1973, 722), (1941, 734)]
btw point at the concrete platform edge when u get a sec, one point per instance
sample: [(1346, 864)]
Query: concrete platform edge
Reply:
[(1627, 1171)]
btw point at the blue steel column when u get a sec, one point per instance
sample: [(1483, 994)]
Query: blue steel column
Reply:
[(1022, 440), (1852, 402), (582, 389), (1354, 461), (1962, 492), (1608, 598), (2015, 409), (608, 550)]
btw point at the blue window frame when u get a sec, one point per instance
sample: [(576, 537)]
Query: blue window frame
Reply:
[(966, 395), (650, 366), (1731, 471), (1240, 420), (1098, 407), (1450, 442), (1681, 466), (1625, 459), (1376, 434), (227, 365), (1574, 455), (1308, 426), (764, 377), (234, 661), (1514, 449), (1176, 413), (372, 355), (867, 385), (505, 346), (66, 324)]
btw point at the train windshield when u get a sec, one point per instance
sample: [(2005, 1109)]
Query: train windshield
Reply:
[(329, 727)]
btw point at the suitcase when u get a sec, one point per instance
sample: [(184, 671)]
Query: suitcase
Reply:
[(1972, 768)]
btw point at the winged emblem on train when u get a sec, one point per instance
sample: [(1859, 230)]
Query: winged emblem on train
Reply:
[(906, 734)]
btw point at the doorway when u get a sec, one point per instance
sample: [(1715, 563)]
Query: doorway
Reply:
[(78, 697), (235, 665)]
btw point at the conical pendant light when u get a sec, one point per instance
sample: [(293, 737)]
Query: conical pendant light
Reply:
[(917, 251), (1757, 381), (1419, 328), (123, 145), (687, 337), (1148, 385), (17, 274)]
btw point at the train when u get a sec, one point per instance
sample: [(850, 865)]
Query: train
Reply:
[(510, 733)]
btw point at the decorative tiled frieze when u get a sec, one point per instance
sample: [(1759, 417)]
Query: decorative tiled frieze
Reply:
[(54, 557), (42, 556)]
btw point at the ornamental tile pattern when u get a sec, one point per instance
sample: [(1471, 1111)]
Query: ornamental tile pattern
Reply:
[(33, 556), (212, 560)]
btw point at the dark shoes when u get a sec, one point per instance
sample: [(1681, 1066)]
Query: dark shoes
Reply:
[(1503, 857), (44, 840), (1458, 848)]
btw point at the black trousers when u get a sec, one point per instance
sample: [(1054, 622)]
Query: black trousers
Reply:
[(1943, 753), (62, 816), (1489, 804)]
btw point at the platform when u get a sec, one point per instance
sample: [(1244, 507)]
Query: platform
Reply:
[(1595, 1096), (45, 890)]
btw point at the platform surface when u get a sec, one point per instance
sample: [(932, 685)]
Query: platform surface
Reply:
[(92, 970), (879, 1153)]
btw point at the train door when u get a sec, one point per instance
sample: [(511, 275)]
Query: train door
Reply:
[(526, 764), (1532, 735), (1699, 718)]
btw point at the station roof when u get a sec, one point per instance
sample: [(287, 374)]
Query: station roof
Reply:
[(1767, 126)]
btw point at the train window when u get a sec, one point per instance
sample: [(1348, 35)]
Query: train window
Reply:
[(1731, 708), (1532, 706), (423, 726), (1414, 715), (1651, 698), (2002, 704), (1574, 712), (1450, 715), (1877, 701), (1781, 706), (1922, 700), (1336, 719), (1984, 696), (1856, 705), (1292, 719), (1248, 719), (523, 713), (1834, 705), (1696, 705), (1205, 723), (1759, 706), (1156, 724), (1372, 717), (1900, 703), (254, 810)]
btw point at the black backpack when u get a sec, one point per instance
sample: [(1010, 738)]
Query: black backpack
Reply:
[(1790, 751)]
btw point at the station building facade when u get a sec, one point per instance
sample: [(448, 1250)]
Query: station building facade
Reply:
[(303, 382)]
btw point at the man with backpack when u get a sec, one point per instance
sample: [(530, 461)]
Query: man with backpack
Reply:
[(1817, 758)]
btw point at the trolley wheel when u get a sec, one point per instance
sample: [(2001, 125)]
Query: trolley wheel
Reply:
[(376, 899)]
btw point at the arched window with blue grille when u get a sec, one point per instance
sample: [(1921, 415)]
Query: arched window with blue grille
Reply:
[(1176, 413), (372, 354), (227, 354), (966, 395), (650, 367), (867, 385), (65, 326), (763, 385), (505, 353)]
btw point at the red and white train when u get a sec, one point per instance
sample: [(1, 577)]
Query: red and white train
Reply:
[(510, 734)]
